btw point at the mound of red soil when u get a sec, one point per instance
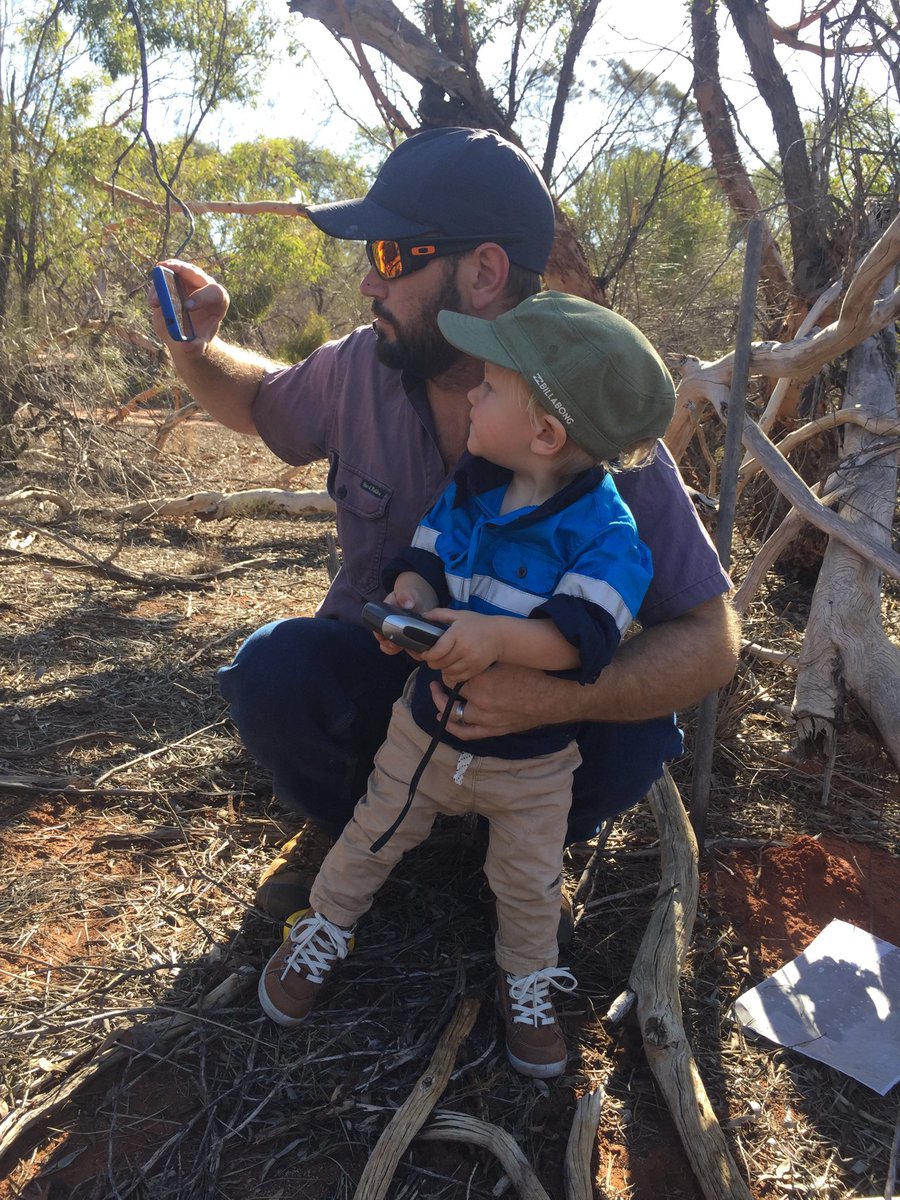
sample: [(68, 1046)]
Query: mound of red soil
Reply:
[(778, 898)]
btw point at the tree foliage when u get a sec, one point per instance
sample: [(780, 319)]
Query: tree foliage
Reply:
[(682, 265)]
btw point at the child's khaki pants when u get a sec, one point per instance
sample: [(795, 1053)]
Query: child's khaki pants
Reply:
[(526, 802)]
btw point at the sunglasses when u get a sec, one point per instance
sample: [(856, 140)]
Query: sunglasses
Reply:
[(393, 257)]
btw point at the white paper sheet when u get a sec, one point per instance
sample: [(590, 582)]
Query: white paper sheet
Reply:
[(838, 1002)]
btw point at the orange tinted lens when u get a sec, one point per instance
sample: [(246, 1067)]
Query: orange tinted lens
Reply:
[(386, 259)]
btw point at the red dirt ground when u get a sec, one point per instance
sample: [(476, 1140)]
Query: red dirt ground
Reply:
[(779, 898)]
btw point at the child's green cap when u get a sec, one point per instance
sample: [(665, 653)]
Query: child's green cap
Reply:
[(590, 368)]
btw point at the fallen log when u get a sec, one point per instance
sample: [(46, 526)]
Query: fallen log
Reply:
[(216, 506), (654, 981), (459, 1127), (580, 1146)]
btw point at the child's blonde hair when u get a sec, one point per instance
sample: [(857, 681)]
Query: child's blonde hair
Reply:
[(572, 458)]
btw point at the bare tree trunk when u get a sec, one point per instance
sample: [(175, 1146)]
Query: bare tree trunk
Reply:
[(733, 176), (809, 238), (845, 647)]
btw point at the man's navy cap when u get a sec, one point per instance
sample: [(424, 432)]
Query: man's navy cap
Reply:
[(459, 182)]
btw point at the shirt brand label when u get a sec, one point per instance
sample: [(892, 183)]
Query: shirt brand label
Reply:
[(375, 488), (557, 404)]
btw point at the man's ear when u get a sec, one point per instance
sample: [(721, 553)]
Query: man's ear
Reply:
[(549, 436), (482, 279)]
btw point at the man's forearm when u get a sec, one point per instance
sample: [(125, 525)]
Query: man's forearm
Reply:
[(664, 669), (667, 667), (224, 379)]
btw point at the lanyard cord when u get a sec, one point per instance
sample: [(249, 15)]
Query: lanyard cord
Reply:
[(417, 774)]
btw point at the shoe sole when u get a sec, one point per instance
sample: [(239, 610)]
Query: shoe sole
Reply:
[(536, 1070), (274, 1013)]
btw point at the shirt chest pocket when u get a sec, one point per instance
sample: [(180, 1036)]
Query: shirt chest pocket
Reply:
[(523, 577), (362, 506)]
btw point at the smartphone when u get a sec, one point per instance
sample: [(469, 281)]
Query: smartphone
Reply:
[(171, 301), (406, 629)]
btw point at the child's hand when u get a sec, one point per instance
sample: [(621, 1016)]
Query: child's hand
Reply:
[(470, 645), (412, 596)]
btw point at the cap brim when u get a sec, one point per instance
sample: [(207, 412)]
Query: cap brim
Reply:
[(362, 221), (476, 337)]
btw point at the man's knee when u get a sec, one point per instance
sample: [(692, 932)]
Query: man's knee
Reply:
[(620, 763), (281, 650), (291, 663)]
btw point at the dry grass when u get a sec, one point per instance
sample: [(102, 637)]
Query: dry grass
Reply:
[(127, 898)]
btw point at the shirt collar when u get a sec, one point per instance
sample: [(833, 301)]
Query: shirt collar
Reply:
[(474, 476)]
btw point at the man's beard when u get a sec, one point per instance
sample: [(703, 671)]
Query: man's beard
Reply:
[(420, 348)]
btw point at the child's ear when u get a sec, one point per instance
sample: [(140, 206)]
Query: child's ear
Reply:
[(549, 436)]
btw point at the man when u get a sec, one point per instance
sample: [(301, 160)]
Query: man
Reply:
[(457, 219)]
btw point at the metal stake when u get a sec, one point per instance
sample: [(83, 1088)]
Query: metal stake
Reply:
[(737, 400)]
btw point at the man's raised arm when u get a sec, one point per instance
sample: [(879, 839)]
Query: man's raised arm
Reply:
[(222, 378)]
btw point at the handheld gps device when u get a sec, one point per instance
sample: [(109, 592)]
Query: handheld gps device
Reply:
[(404, 628), (171, 301)]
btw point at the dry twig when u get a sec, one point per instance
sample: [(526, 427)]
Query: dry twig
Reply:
[(413, 1113)]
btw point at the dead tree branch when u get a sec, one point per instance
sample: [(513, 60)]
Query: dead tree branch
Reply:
[(863, 312), (459, 1127), (216, 506), (654, 981), (413, 1112)]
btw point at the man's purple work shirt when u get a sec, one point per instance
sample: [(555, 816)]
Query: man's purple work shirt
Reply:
[(374, 426)]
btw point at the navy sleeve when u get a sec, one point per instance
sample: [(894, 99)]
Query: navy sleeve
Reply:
[(591, 630), (424, 563)]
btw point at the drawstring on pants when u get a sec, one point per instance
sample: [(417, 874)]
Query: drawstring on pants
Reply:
[(423, 763)]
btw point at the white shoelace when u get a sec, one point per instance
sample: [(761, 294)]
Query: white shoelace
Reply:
[(529, 995), (318, 944)]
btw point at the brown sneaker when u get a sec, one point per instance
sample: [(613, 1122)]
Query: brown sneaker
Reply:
[(283, 890), (292, 979), (534, 1044)]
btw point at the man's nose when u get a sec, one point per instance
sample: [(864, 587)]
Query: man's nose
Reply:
[(373, 285)]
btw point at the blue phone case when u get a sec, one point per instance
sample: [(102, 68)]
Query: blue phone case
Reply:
[(171, 301)]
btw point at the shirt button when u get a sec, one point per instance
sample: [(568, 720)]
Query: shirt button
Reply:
[(521, 572), (342, 492)]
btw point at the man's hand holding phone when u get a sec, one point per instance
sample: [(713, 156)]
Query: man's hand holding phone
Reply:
[(187, 305)]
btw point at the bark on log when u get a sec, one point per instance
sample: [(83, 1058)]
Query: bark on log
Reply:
[(654, 980), (845, 644), (577, 1171)]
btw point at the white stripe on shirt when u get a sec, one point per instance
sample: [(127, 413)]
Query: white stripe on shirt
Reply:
[(425, 538), (598, 592)]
